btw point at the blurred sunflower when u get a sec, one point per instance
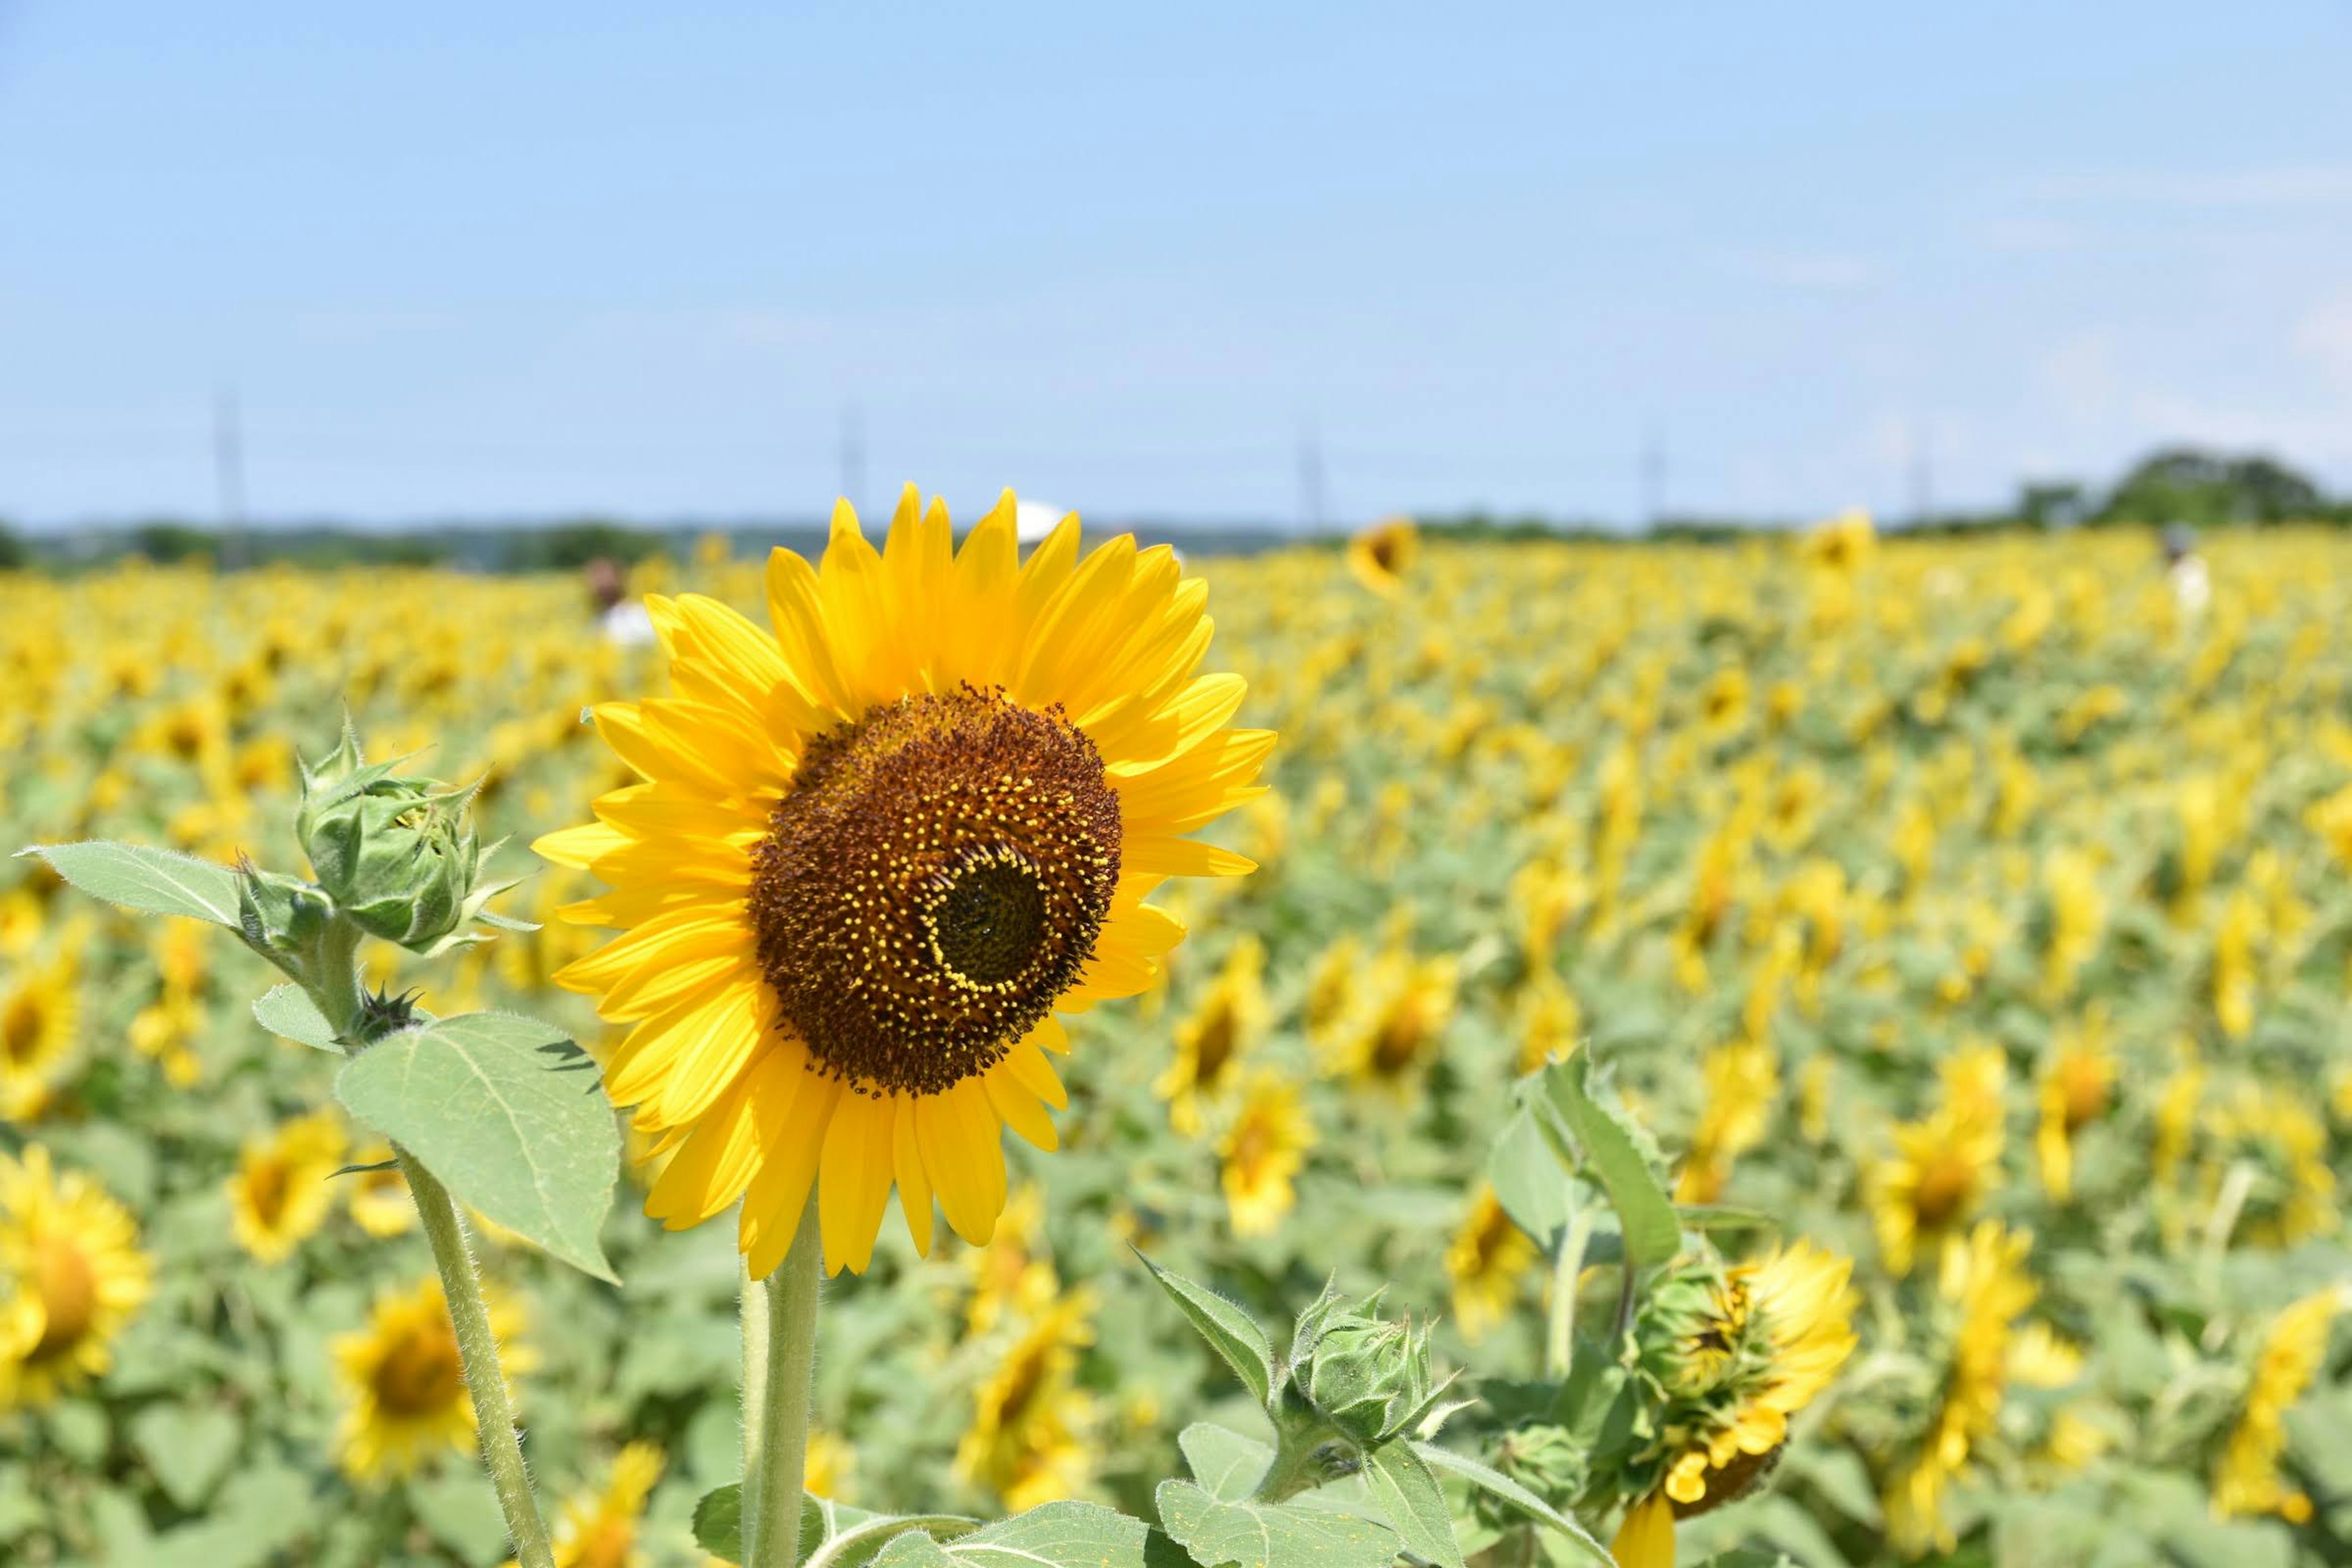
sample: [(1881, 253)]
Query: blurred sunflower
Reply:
[(1487, 1262), (71, 1278), (2075, 1088), (1983, 1281), (379, 1193), (279, 1195), (876, 849), (404, 1385), (599, 1529), (1212, 1041), (1397, 1031), (1943, 1164), (1549, 1023), (1383, 556), (2246, 1478), (1025, 1442), (2267, 1154), (1012, 1276), (826, 1469), (39, 1017), (1742, 1081), (1262, 1152), (1765, 1340)]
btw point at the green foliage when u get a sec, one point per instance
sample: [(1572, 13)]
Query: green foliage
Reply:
[(509, 1114), (288, 1012), (153, 881), (1612, 1152)]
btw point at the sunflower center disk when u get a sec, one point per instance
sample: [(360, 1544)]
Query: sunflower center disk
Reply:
[(934, 881)]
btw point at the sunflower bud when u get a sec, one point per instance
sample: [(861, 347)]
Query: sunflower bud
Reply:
[(279, 915), (398, 855), (1366, 1375), (1690, 1327), (1550, 1461)]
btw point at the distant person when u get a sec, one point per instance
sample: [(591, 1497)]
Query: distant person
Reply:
[(2193, 586), (621, 619)]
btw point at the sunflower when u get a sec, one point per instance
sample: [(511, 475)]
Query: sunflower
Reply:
[(599, 1529), (1396, 1034), (1488, 1260), (379, 1193), (71, 1278), (1012, 1276), (1549, 1022), (1742, 1080), (825, 1469), (1263, 1152), (1984, 1283), (875, 849), (1943, 1164), (407, 1385), (1381, 555), (167, 1028), (1771, 1336), (1212, 1040), (279, 1195), (2246, 1478), (2271, 1147), (39, 1017), (2075, 1088), (1025, 1443)]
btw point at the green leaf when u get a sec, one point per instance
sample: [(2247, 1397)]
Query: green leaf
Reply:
[(288, 1012), (462, 1513), (1724, 1218), (1058, 1535), (1406, 1492), (718, 1522), (501, 1109), (1227, 1464), (1217, 1531), (1230, 1331), (1529, 1182), (189, 1450), (862, 1543), (156, 881), (1645, 1216), (1517, 1496)]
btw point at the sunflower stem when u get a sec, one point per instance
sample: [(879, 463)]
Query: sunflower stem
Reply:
[(335, 978), (782, 1364), (478, 1348), (1560, 1341)]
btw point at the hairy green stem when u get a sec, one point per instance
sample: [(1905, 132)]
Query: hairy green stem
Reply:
[(335, 980), (478, 1348), (782, 1365), (1559, 1341)]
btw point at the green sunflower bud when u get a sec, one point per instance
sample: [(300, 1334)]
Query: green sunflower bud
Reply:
[(398, 855), (1366, 1375), (279, 916), (1690, 1327)]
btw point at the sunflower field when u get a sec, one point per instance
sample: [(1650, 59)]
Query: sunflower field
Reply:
[(1841, 1041)]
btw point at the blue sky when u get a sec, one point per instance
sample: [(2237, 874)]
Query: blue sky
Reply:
[(535, 257)]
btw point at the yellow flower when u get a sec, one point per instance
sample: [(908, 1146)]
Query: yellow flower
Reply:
[(280, 1193), (2246, 1479), (1381, 555), (405, 1386), (878, 847), (39, 1014), (1012, 1276), (1742, 1080), (1941, 1167), (2076, 914), (1212, 1041), (1489, 1260), (71, 1278), (1843, 543), (2269, 1148), (826, 1468), (1774, 1340), (379, 1192), (599, 1529), (2075, 1092), (1549, 1023), (1395, 1037), (1984, 1280), (1025, 1443), (1263, 1152)]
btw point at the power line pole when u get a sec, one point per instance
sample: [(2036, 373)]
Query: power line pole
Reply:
[(229, 476), (853, 453), (1652, 477), (1310, 479)]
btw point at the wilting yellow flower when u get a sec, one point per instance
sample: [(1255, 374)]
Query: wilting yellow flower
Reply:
[(1381, 555), (1742, 1080), (1773, 1340), (379, 1192), (878, 846), (1983, 1281), (1263, 1152), (280, 1194), (1488, 1261), (405, 1384), (1395, 1036), (1211, 1043), (71, 1278), (2075, 1092), (599, 1529), (1025, 1443), (2246, 1479), (39, 1014)]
